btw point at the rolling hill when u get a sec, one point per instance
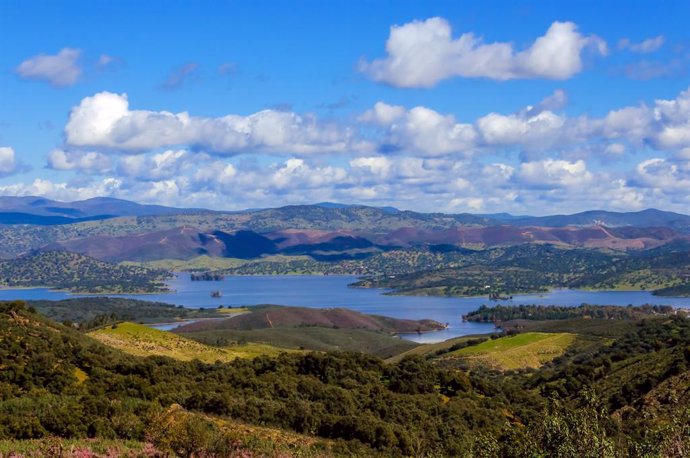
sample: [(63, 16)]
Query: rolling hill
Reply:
[(141, 340), (273, 316), (313, 329), (89, 208), (78, 273)]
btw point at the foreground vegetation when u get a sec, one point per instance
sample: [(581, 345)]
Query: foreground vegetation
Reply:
[(626, 396)]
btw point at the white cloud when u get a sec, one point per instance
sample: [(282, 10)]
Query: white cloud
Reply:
[(551, 173), (90, 162), (672, 118), (420, 130), (378, 166), (423, 53), (297, 173), (541, 130), (62, 191), (383, 114), (647, 46), (8, 161), (167, 164), (665, 175), (665, 125), (105, 120), (62, 69)]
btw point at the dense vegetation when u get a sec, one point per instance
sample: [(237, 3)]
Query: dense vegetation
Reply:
[(77, 273), (537, 268), (500, 313), (627, 397), (93, 312)]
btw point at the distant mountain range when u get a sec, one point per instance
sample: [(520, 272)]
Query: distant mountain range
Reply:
[(324, 231), (42, 211)]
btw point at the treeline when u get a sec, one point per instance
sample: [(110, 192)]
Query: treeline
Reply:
[(85, 310), (501, 313)]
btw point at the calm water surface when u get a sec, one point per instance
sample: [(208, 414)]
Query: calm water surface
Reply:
[(332, 291)]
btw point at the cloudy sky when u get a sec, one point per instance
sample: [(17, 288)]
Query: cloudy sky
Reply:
[(435, 106)]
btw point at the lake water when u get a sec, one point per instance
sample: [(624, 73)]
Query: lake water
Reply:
[(332, 291)]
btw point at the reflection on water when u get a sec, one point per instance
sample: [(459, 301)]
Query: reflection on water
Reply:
[(332, 291)]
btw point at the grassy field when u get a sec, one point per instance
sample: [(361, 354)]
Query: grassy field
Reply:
[(141, 340), (312, 338), (433, 348), (233, 310), (528, 350)]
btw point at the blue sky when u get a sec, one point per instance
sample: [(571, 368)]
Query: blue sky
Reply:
[(485, 106)]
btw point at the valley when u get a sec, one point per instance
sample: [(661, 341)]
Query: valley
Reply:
[(342, 331)]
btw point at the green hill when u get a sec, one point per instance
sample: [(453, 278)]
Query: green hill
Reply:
[(528, 350), (141, 340)]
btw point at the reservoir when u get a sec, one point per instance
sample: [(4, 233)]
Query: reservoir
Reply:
[(333, 291)]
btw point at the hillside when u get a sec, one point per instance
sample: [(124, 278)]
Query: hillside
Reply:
[(365, 229), (332, 216), (299, 317), (58, 382), (90, 312), (537, 267), (187, 242), (78, 273), (90, 208), (525, 350), (312, 329), (140, 340)]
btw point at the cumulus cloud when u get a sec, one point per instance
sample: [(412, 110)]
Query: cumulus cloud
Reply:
[(423, 53), (61, 69), (8, 162), (551, 173), (62, 190), (647, 46), (536, 129), (420, 130), (158, 166), (89, 162), (663, 174), (105, 120)]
